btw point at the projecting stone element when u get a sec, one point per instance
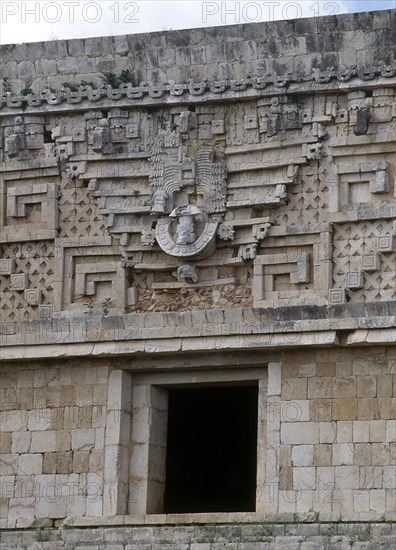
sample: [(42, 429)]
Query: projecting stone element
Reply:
[(218, 127), (188, 121), (362, 121), (187, 273), (187, 217), (147, 237), (314, 151), (7, 266), (132, 296), (371, 262), (337, 296), (226, 232), (248, 251), (203, 245), (261, 230), (386, 243), (19, 281), (45, 311), (33, 296), (354, 279), (101, 137)]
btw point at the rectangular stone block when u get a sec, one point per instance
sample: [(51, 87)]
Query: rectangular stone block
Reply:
[(294, 388), (345, 409), (20, 442), (302, 455), (29, 464), (322, 455), (361, 431), (344, 432), (83, 440), (366, 386), (302, 433), (342, 454)]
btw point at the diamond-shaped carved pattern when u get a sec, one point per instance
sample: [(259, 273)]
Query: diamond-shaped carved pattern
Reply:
[(79, 215), (308, 199), (37, 261), (351, 242)]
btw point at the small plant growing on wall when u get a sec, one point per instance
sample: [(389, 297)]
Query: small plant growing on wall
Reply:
[(106, 306), (111, 79), (89, 305), (72, 87), (6, 84), (125, 76)]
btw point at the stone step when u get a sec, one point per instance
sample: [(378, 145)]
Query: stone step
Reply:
[(313, 536)]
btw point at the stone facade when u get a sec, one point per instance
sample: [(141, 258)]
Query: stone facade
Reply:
[(219, 209)]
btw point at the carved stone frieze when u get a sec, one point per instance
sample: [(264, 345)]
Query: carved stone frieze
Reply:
[(211, 87), (263, 187)]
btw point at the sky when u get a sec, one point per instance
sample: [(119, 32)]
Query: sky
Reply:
[(32, 20)]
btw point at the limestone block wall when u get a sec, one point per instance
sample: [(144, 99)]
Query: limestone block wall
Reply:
[(227, 52), (52, 441), (88, 442), (336, 413)]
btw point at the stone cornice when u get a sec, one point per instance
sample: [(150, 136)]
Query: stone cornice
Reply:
[(197, 331), (170, 91)]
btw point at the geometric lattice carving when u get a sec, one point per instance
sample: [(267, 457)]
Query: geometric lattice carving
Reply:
[(36, 263), (350, 240), (79, 215), (308, 198)]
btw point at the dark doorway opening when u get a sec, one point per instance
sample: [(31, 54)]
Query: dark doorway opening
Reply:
[(211, 450)]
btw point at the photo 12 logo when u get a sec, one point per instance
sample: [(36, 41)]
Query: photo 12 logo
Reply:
[(229, 13), (69, 12)]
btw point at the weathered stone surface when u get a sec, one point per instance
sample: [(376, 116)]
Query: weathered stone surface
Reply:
[(217, 208)]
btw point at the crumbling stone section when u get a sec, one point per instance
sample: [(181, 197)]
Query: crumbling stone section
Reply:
[(216, 209)]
